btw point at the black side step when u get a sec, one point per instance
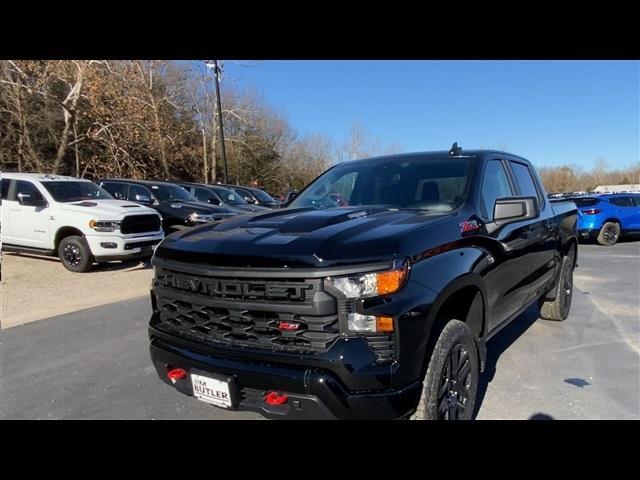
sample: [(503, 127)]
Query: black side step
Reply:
[(6, 247)]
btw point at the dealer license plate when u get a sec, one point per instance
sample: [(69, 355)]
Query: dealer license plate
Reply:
[(210, 390)]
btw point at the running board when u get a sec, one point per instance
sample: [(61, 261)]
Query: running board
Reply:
[(20, 249)]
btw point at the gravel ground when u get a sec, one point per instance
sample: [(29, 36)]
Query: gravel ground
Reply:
[(44, 286)]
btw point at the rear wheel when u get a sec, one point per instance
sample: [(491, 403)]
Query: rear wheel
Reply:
[(451, 382), (558, 309), (75, 254), (609, 233)]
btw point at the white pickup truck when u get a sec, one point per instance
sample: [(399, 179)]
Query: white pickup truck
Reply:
[(74, 219)]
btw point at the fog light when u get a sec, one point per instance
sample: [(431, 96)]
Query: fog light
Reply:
[(108, 245), (361, 323)]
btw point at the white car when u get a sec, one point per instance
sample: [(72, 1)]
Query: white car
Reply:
[(74, 219)]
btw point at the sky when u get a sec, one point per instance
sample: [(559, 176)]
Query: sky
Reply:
[(550, 112)]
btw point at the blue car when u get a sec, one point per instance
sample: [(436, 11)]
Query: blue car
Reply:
[(606, 217)]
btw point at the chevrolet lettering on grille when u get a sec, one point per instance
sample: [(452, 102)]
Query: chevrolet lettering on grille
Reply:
[(218, 287)]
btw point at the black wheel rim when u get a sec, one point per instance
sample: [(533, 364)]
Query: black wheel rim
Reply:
[(72, 255), (455, 385), (610, 234)]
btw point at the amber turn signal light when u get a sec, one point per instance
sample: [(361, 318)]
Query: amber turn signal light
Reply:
[(391, 280), (384, 324)]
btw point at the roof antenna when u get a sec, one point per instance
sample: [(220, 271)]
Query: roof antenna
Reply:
[(455, 149)]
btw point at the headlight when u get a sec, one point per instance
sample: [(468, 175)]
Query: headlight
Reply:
[(200, 218), (370, 285), (105, 225)]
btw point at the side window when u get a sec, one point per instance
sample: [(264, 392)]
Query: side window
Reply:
[(139, 193), (495, 184), (203, 194), (525, 181), (636, 200), (622, 201), (118, 190), (28, 188), (5, 188)]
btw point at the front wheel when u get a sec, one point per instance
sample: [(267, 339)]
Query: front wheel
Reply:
[(75, 254), (451, 382)]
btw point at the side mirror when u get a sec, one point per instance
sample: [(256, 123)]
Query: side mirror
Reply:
[(515, 209), (143, 199), (28, 200), (214, 201)]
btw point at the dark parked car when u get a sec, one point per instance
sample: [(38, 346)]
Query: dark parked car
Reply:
[(255, 196), (217, 195), (177, 207), (380, 309)]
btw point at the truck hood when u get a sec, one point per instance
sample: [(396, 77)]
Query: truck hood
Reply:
[(298, 238), (106, 209)]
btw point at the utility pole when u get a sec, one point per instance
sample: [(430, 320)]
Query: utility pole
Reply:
[(216, 73)]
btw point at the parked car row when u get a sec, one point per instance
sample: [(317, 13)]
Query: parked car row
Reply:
[(83, 223)]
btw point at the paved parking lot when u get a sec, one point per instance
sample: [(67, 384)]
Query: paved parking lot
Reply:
[(93, 364)]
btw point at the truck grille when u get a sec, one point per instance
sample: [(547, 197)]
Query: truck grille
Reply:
[(246, 312), (246, 328), (140, 223)]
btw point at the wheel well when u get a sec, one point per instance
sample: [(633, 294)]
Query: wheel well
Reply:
[(614, 220), (572, 243), (65, 232), (466, 305)]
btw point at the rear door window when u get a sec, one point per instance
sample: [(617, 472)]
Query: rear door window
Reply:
[(495, 184), (524, 179)]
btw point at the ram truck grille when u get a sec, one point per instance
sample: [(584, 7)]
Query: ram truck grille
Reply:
[(140, 223)]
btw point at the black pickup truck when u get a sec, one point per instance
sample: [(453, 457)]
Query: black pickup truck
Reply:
[(371, 296)]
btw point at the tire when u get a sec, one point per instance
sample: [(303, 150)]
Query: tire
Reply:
[(447, 397), (609, 234), (75, 254), (559, 308)]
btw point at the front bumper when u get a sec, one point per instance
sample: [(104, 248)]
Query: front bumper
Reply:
[(126, 246), (314, 393)]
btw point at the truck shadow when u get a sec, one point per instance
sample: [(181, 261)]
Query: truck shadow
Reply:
[(499, 344)]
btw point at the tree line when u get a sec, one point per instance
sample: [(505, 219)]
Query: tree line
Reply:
[(574, 178), (156, 119)]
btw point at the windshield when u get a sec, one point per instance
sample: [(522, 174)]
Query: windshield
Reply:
[(172, 193), (262, 195), (430, 184), (229, 196), (73, 191)]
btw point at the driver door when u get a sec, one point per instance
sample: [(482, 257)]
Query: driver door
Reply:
[(29, 224)]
